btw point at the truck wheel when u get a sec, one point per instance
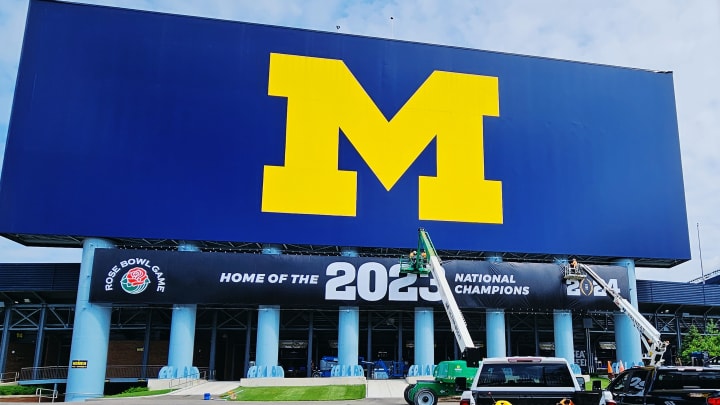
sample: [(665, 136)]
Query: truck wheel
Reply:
[(406, 394), (425, 397)]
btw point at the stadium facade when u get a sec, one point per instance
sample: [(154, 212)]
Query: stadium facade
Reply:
[(242, 194)]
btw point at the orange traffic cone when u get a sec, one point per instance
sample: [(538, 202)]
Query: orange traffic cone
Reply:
[(621, 367), (609, 369)]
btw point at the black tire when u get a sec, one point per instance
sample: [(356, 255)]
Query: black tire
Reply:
[(406, 394), (316, 374), (425, 397)]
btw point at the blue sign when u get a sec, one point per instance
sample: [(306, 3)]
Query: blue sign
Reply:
[(144, 125)]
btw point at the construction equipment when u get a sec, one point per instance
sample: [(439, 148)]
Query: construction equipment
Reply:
[(652, 340), (448, 375), (426, 261)]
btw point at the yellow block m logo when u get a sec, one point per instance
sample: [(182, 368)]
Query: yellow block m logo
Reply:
[(324, 96)]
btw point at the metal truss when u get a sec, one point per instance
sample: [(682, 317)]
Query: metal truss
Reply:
[(319, 250)]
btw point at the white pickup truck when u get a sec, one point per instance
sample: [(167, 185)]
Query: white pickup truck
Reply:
[(528, 381)]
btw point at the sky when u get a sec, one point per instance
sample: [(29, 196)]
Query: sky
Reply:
[(666, 35)]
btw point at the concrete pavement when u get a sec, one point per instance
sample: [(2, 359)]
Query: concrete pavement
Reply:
[(379, 392)]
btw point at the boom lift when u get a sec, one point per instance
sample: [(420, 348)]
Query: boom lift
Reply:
[(652, 340), (425, 260), (448, 375)]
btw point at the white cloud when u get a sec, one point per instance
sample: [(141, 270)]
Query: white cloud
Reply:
[(683, 37)]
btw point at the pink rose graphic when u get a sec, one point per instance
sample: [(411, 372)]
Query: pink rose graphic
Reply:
[(137, 276), (135, 281)]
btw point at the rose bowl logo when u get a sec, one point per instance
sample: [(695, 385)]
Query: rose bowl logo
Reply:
[(135, 281)]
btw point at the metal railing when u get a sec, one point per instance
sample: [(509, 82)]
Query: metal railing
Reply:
[(61, 372), (46, 393), (705, 277), (132, 371), (188, 381), (9, 377), (43, 373)]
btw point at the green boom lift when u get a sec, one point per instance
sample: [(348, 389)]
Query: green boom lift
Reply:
[(449, 376)]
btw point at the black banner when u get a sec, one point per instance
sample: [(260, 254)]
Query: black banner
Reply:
[(168, 277)]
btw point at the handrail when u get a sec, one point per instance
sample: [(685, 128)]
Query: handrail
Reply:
[(43, 373), (132, 371), (11, 376), (192, 379), (46, 393), (112, 371)]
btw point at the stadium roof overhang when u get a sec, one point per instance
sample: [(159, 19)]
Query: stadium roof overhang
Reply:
[(325, 250)]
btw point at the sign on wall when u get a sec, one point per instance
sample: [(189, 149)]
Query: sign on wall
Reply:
[(139, 276), (145, 125)]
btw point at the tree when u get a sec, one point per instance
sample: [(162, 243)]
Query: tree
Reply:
[(695, 341)]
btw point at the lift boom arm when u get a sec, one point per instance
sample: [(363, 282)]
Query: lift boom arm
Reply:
[(427, 260), (651, 337)]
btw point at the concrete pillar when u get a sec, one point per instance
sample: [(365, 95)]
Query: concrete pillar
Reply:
[(268, 335), (424, 343), (182, 336), (268, 344), (495, 333), (91, 334), (564, 346), (182, 342), (563, 328), (627, 337), (348, 338), (495, 324)]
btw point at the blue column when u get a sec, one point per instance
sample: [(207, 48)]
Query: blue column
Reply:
[(182, 343), (349, 252), (424, 343), (91, 334), (564, 346), (182, 336), (37, 359), (627, 337), (563, 327), (495, 324), (268, 344), (268, 335), (348, 337), (5, 341), (495, 332)]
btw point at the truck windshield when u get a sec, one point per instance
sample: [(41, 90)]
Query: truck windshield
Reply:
[(687, 379), (525, 375)]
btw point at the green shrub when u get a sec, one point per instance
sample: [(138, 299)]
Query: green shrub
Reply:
[(134, 390), (17, 390)]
